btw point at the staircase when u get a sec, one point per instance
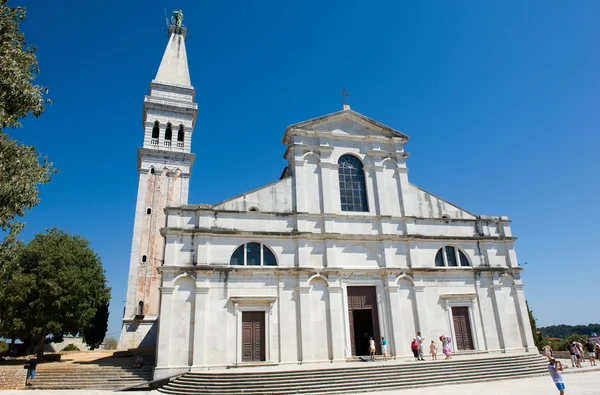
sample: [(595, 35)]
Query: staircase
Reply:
[(71, 376), (362, 377)]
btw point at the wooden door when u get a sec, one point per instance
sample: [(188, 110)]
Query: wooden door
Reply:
[(253, 336), (462, 328), (359, 299)]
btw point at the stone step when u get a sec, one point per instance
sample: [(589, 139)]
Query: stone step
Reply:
[(410, 368), (291, 384), (356, 379), (366, 387), (327, 378), (367, 366)]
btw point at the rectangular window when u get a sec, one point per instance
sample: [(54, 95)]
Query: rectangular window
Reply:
[(451, 256)]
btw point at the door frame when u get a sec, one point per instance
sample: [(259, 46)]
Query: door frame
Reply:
[(379, 301), (251, 304), (462, 300)]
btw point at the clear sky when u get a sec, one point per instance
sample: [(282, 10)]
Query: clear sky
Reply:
[(499, 98)]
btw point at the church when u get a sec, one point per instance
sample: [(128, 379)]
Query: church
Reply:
[(340, 249)]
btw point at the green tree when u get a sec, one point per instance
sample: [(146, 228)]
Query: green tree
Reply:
[(19, 96), (111, 343), (3, 346), (56, 285), (538, 337), (94, 334)]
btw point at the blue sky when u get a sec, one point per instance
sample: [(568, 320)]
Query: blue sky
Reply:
[(499, 98)]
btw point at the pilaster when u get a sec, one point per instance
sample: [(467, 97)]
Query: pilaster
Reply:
[(200, 318), (336, 317)]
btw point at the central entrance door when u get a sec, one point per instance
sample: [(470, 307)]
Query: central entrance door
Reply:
[(462, 328), (253, 336), (363, 319)]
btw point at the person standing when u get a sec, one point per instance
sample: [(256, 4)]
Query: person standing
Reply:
[(31, 367), (574, 356), (420, 340), (372, 349), (446, 346), (414, 346), (384, 348), (433, 351), (591, 352), (554, 368), (548, 350)]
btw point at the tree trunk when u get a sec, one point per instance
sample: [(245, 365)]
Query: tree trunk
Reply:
[(40, 350)]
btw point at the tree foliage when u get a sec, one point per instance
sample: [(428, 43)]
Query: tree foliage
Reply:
[(3, 346), (20, 175), (111, 343), (538, 338), (19, 96), (564, 331), (94, 334), (71, 347), (54, 287), (561, 345)]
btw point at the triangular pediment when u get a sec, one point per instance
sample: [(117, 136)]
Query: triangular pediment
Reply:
[(346, 123)]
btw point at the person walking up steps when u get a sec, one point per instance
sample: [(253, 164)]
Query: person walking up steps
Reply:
[(384, 348), (433, 351), (372, 349), (554, 368)]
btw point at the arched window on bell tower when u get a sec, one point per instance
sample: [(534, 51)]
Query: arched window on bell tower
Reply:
[(180, 136), (155, 133)]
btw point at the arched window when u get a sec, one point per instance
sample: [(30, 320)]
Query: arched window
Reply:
[(140, 310), (152, 170), (353, 193), (180, 134), (144, 258), (253, 254), (451, 256), (168, 132), (155, 130), (148, 211)]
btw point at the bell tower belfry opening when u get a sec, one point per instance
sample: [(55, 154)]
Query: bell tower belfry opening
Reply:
[(164, 167)]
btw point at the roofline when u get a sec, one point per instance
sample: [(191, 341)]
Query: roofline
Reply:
[(344, 112)]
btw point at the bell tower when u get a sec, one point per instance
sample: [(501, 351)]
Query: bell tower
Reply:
[(164, 165)]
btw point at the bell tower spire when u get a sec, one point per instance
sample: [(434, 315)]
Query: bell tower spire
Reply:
[(164, 165)]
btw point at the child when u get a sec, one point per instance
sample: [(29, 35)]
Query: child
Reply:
[(384, 349), (414, 346), (433, 350), (372, 349), (554, 368)]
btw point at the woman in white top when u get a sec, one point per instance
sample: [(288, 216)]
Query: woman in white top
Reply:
[(372, 349)]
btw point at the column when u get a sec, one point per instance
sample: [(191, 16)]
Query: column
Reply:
[(200, 316), (495, 290), (336, 318), (523, 316), (305, 326), (396, 323), (420, 308), (164, 327)]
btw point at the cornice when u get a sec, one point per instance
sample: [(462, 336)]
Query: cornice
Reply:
[(294, 234)]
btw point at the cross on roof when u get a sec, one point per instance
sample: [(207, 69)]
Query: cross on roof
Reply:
[(345, 94)]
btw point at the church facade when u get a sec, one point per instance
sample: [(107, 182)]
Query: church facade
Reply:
[(340, 249)]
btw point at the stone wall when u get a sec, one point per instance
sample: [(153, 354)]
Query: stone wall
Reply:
[(12, 377)]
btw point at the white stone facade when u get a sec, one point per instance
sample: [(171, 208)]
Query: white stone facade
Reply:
[(321, 252), (306, 269)]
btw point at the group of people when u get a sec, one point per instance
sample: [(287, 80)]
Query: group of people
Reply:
[(416, 346), (577, 352)]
